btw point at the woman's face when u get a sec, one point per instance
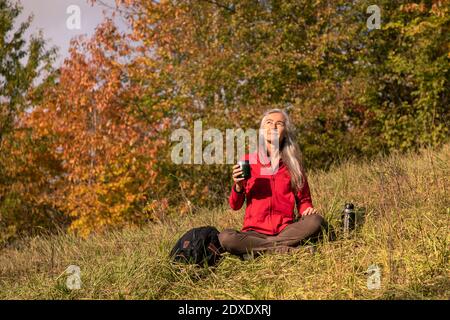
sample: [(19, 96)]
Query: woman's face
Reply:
[(274, 125)]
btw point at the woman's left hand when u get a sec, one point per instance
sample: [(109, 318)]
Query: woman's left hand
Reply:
[(309, 211)]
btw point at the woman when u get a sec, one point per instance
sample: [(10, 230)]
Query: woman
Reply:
[(269, 216)]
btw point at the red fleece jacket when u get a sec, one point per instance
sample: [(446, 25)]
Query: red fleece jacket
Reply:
[(270, 198)]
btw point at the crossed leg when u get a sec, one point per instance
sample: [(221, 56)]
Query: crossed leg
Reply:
[(239, 243)]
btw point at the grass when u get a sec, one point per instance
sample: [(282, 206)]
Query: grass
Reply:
[(407, 205)]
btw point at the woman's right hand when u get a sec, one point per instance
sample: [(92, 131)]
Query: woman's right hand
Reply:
[(237, 172)]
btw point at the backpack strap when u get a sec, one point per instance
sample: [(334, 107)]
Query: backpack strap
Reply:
[(214, 249)]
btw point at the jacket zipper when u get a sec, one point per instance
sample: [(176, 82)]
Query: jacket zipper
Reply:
[(271, 201)]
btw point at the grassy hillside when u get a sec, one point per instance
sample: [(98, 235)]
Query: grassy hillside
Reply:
[(405, 233)]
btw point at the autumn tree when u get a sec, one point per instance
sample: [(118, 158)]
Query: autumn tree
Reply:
[(105, 139), (228, 61), (108, 112), (27, 169), (350, 90)]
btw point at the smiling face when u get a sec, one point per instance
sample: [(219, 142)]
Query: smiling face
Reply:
[(274, 125)]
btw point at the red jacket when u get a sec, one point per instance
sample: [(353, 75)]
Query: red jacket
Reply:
[(270, 198)]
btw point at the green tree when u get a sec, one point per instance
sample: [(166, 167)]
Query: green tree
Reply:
[(406, 65)]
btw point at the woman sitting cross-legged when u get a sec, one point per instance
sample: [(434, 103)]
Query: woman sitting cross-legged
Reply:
[(277, 183)]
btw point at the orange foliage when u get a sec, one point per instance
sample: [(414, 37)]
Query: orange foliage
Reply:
[(108, 146)]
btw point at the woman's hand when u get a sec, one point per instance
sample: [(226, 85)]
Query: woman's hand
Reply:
[(237, 171), (310, 211)]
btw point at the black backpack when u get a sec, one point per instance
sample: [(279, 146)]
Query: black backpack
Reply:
[(197, 246)]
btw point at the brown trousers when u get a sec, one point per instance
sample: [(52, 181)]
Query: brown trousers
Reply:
[(239, 243)]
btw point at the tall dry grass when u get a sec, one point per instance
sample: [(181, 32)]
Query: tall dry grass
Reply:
[(405, 232)]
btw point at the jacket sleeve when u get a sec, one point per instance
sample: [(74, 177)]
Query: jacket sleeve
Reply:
[(237, 198), (303, 198)]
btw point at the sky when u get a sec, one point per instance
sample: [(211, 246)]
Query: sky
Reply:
[(58, 25)]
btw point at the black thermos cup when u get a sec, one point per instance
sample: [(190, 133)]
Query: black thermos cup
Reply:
[(245, 166)]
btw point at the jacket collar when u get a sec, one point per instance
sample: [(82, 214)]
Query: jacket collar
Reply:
[(264, 160)]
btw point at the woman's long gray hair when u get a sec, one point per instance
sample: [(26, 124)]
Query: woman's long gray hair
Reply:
[(290, 151)]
